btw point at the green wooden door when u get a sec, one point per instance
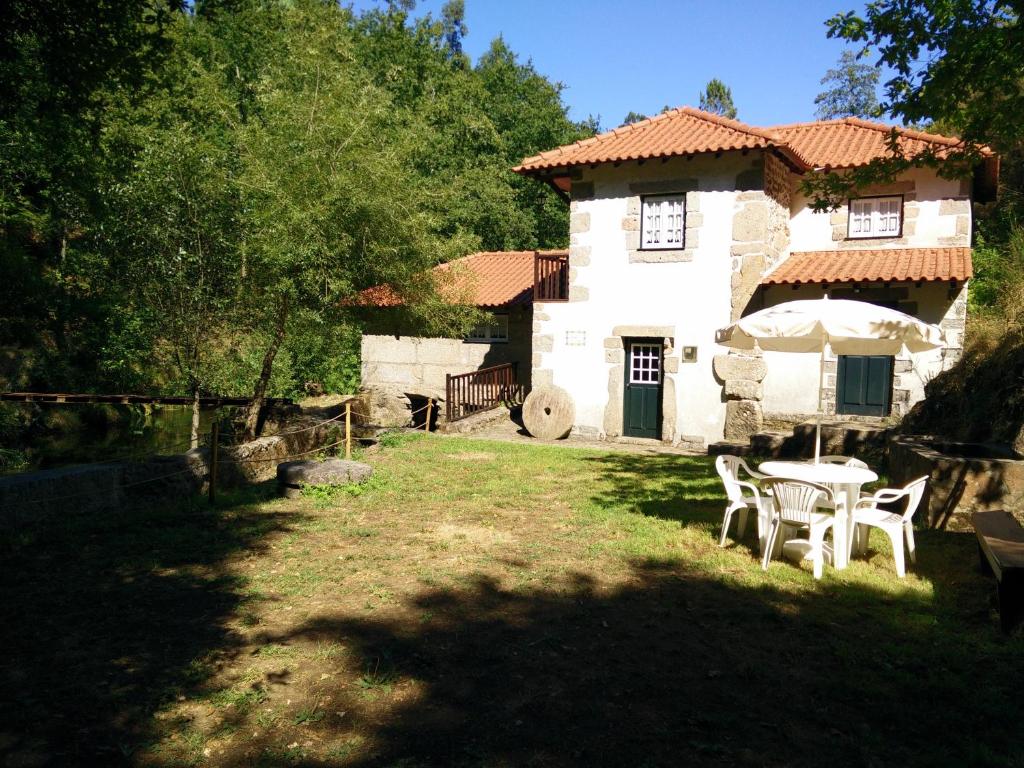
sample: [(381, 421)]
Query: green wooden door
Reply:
[(864, 385), (641, 408)]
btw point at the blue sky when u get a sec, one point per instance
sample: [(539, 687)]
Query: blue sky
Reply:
[(640, 55)]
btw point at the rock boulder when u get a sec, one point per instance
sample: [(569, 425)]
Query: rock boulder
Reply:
[(292, 476)]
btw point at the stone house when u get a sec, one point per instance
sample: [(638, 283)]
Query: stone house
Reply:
[(402, 371), (682, 223)]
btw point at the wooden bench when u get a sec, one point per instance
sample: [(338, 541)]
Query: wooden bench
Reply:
[(1001, 547)]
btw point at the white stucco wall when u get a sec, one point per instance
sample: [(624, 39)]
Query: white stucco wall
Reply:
[(934, 224), (791, 386), (693, 297)]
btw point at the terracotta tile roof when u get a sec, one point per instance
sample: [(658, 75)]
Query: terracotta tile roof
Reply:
[(851, 141), (882, 265), (683, 131), (841, 143), (486, 279)]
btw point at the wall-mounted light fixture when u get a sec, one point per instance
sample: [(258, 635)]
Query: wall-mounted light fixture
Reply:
[(689, 354)]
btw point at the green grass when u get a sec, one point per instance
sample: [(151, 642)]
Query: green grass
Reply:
[(491, 604)]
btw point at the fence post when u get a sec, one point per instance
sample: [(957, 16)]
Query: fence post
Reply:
[(348, 429), (214, 445), (426, 423)]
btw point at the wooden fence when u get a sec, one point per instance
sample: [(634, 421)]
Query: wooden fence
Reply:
[(469, 393)]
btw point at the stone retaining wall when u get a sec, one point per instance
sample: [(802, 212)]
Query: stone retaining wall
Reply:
[(962, 478), (92, 487)]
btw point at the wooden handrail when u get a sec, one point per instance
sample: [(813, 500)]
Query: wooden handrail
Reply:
[(469, 393)]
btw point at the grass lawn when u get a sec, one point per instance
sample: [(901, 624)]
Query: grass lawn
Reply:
[(491, 604)]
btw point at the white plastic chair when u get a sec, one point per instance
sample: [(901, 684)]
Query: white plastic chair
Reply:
[(795, 504), (743, 496), (896, 526), (847, 461)]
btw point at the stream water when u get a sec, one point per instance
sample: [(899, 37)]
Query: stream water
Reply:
[(135, 433)]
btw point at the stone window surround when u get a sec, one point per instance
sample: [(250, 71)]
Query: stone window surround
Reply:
[(681, 196), (631, 224), (849, 206), (840, 217)]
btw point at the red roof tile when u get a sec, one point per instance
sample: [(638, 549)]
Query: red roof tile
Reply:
[(851, 141), (486, 279), (683, 131), (883, 265), (833, 144)]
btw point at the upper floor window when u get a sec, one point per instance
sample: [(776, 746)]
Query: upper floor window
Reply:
[(663, 222), (493, 330), (876, 217)]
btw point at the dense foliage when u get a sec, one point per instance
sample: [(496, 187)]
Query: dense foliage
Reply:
[(189, 193), (955, 63)]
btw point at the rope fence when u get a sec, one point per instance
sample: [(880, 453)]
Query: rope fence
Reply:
[(215, 445)]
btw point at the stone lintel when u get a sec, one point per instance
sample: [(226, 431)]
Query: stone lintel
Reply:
[(645, 331)]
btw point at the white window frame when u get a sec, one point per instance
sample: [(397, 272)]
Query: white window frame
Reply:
[(657, 233), (645, 367), (493, 332), (873, 217)]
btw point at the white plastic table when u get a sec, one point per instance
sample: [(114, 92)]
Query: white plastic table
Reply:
[(843, 480)]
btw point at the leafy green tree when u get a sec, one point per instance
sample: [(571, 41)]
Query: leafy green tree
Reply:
[(852, 90), (62, 65), (330, 203), (633, 117), (717, 98), (958, 62), (172, 229)]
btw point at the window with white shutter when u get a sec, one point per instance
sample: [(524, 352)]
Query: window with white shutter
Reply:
[(663, 222), (875, 217)]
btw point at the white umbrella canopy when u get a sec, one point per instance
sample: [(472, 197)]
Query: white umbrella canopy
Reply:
[(846, 327)]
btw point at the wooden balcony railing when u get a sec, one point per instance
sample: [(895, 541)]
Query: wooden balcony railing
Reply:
[(469, 393), (550, 277)]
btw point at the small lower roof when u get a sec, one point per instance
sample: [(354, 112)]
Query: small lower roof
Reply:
[(488, 279), (873, 265)]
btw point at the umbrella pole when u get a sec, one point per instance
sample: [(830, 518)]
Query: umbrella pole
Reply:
[(821, 387)]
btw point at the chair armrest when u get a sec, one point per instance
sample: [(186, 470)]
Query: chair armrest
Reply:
[(754, 474), (884, 496), (753, 488)]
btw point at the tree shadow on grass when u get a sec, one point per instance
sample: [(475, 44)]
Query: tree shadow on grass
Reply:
[(676, 668), (676, 665), (104, 617)]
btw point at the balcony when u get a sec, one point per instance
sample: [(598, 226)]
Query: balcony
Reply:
[(550, 277)]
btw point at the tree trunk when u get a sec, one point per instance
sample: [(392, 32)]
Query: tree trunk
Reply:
[(252, 410), (194, 437)]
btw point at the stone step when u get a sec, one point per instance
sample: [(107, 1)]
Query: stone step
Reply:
[(769, 443), (730, 448)]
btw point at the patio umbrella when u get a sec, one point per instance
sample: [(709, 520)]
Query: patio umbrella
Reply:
[(846, 327)]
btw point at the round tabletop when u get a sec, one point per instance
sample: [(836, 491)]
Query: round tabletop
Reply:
[(826, 474)]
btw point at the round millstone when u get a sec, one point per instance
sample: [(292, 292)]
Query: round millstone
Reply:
[(549, 413), (293, 475)]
